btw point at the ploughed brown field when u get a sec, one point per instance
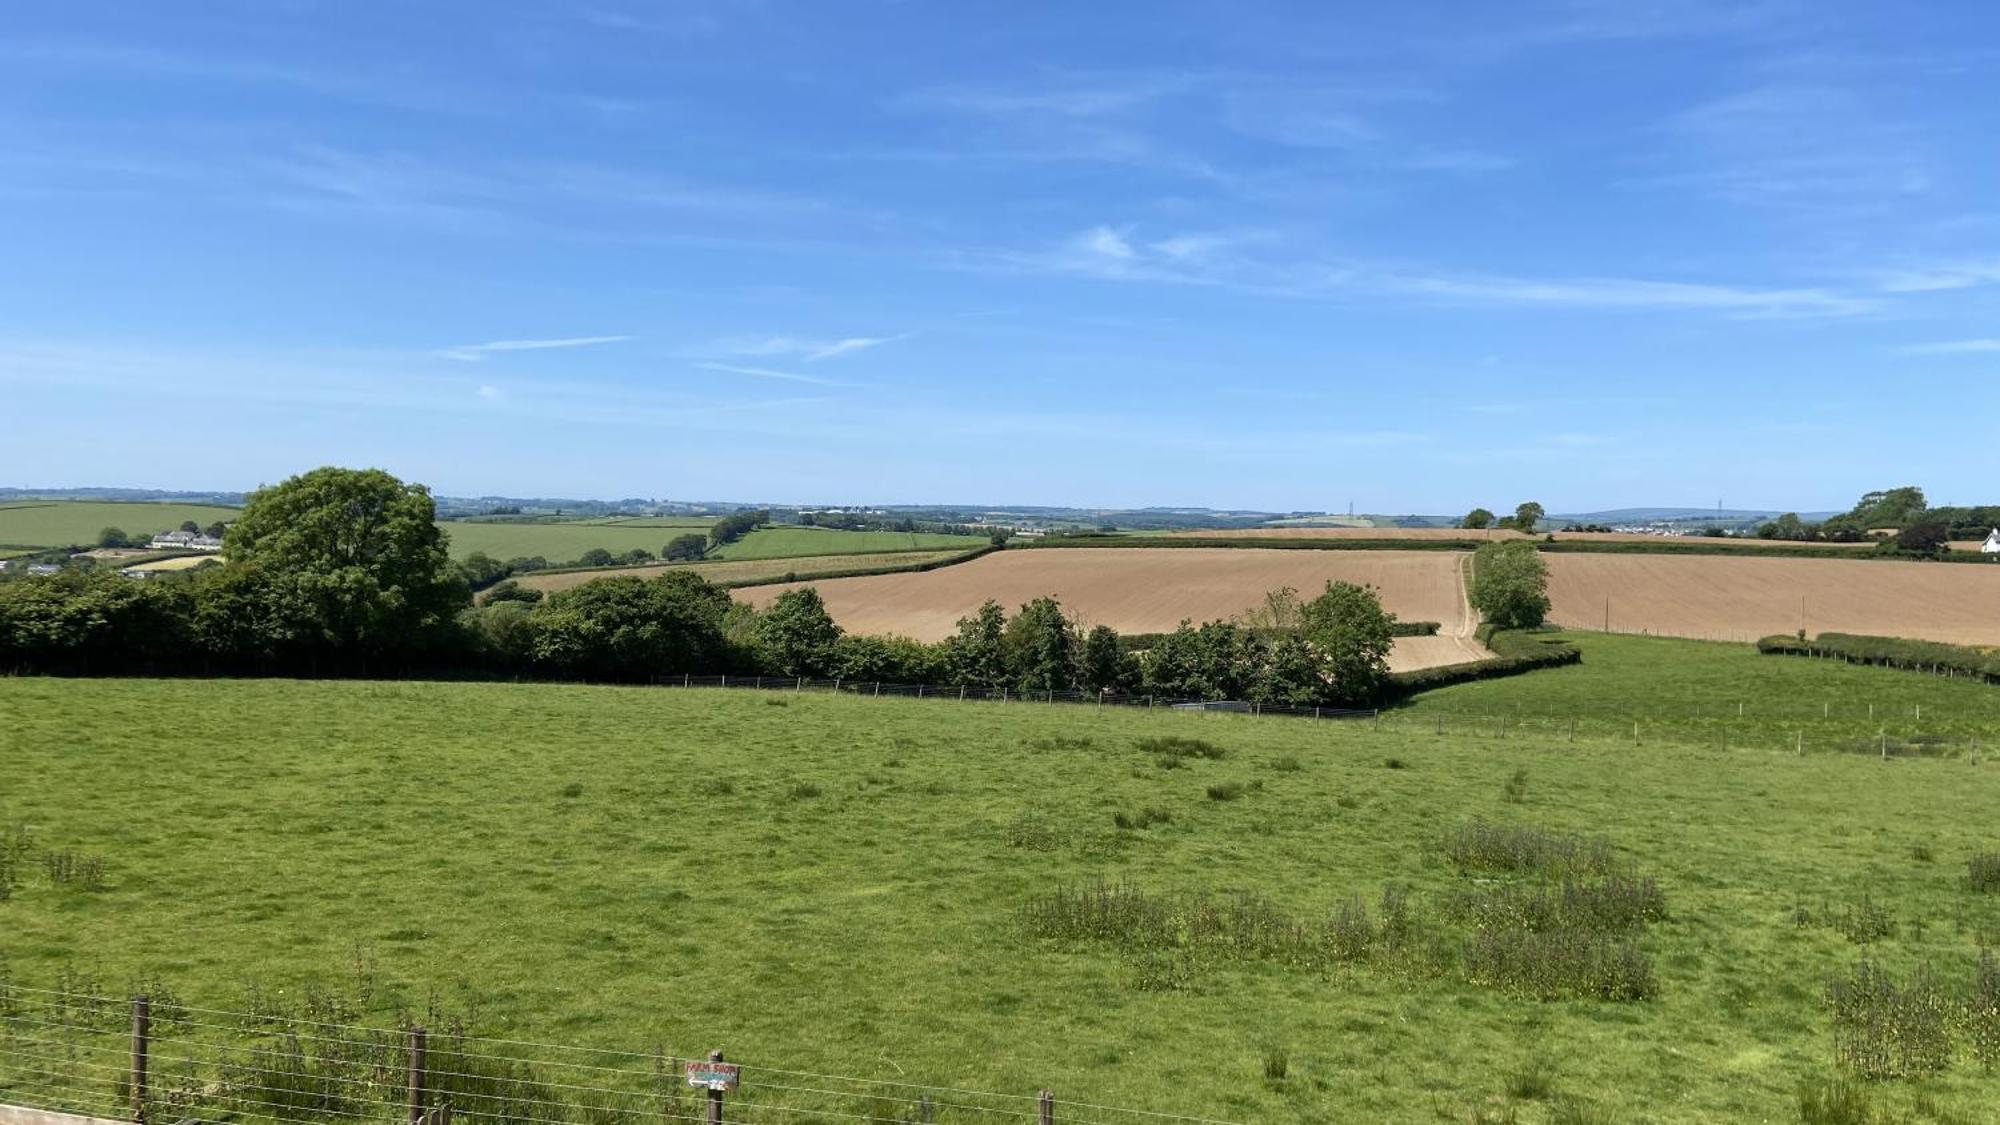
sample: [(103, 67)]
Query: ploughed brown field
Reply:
[(1746, 598), (1668, 541), (748, 570), (1152, 591)]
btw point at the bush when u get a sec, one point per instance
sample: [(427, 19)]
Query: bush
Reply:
[(1174, 746), (1514, 652), (1834, 1102), (1560, 963), (1983, 871), (1143, 819), (1883, 1029), (1225, 791), (1889, 652), (1479, 846), (1510, 585)]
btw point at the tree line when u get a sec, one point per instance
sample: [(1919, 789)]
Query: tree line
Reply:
[(346, 572), (1913, 527)]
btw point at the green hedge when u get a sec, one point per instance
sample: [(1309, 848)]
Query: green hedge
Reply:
[(1140, 642), (1890, 652), (1514, 651), (862, 571), (1684, 545)]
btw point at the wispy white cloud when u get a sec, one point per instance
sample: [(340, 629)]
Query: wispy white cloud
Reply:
[(767, 373), (473, 353), (811, 351), (1931, 279), (1233, 260), (1954, 347)]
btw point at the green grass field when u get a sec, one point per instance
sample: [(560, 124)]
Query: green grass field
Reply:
[(1711, 692), (565, 542), (837, 885), (66, 523), (788, 542)]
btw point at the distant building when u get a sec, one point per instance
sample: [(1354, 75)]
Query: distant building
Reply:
[(1992, 544), (185, 541)]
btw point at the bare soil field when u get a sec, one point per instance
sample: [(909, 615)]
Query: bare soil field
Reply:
[(1449, 533), (1137, 591), (747, 570), (1743, 599)]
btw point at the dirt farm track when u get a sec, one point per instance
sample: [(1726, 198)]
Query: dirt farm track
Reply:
[(1135, 590), (1743, 599)]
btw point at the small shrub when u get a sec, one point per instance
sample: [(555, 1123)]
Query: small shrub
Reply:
[(1833, 1102), (1864, 922), (1535, 1080), (1035, 832), (1982, 1011), (1571, 1110), (1277, 1064), (773, 701), (1287, 764), (1174, 746), (1560, 963), (1515, 791), (1347, 801), (1921, 852), (1225, 791), (74, 869), (1395, 764), (1883, 1029), (1983, 871), (1478, 846), (573, 789), (1608, 904), (1143, 819), (802, 791)]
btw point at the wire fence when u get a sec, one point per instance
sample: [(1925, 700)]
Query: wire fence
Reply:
[(1015, 695), (160, 1062)]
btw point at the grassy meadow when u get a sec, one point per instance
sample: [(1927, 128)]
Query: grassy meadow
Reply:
[(788, 542), (870, 887), (76, 523), (566, 541), (1723, 693), (744, 572)]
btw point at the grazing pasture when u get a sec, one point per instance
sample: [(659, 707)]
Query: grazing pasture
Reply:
[(1722, 694), (972, 894), (568, 540), (750, 570), (76, 523), (791, 542), (1135, 591), (1743, 599)]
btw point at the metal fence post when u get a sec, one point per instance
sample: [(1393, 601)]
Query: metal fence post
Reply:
[(142, 1029), (714, 1095), (419, 1044), (1045, 1108)]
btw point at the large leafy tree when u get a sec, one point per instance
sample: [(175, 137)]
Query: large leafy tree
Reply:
[(1041, 647), (630, 628), (1103, 660), (976, 655), (796, 635), (1477, 519), (1526, 516), (1510, 585), (1349, 636), (354, 554)]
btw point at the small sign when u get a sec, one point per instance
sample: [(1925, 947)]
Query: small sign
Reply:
[(714, 1075)]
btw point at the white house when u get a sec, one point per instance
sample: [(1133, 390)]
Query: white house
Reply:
[(1992, 544)]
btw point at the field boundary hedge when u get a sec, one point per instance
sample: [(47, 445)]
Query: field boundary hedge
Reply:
[(626, 569), (1932, 657), (1515, 651), (863, 571), (1688, 545)]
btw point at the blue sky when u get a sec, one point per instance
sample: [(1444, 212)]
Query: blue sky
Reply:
[(1416, 256)]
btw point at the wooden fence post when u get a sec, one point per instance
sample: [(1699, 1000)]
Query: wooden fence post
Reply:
[(1045, 1108), (419, 1072), (924, 1109), (714, 1095), (142, 1030)]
